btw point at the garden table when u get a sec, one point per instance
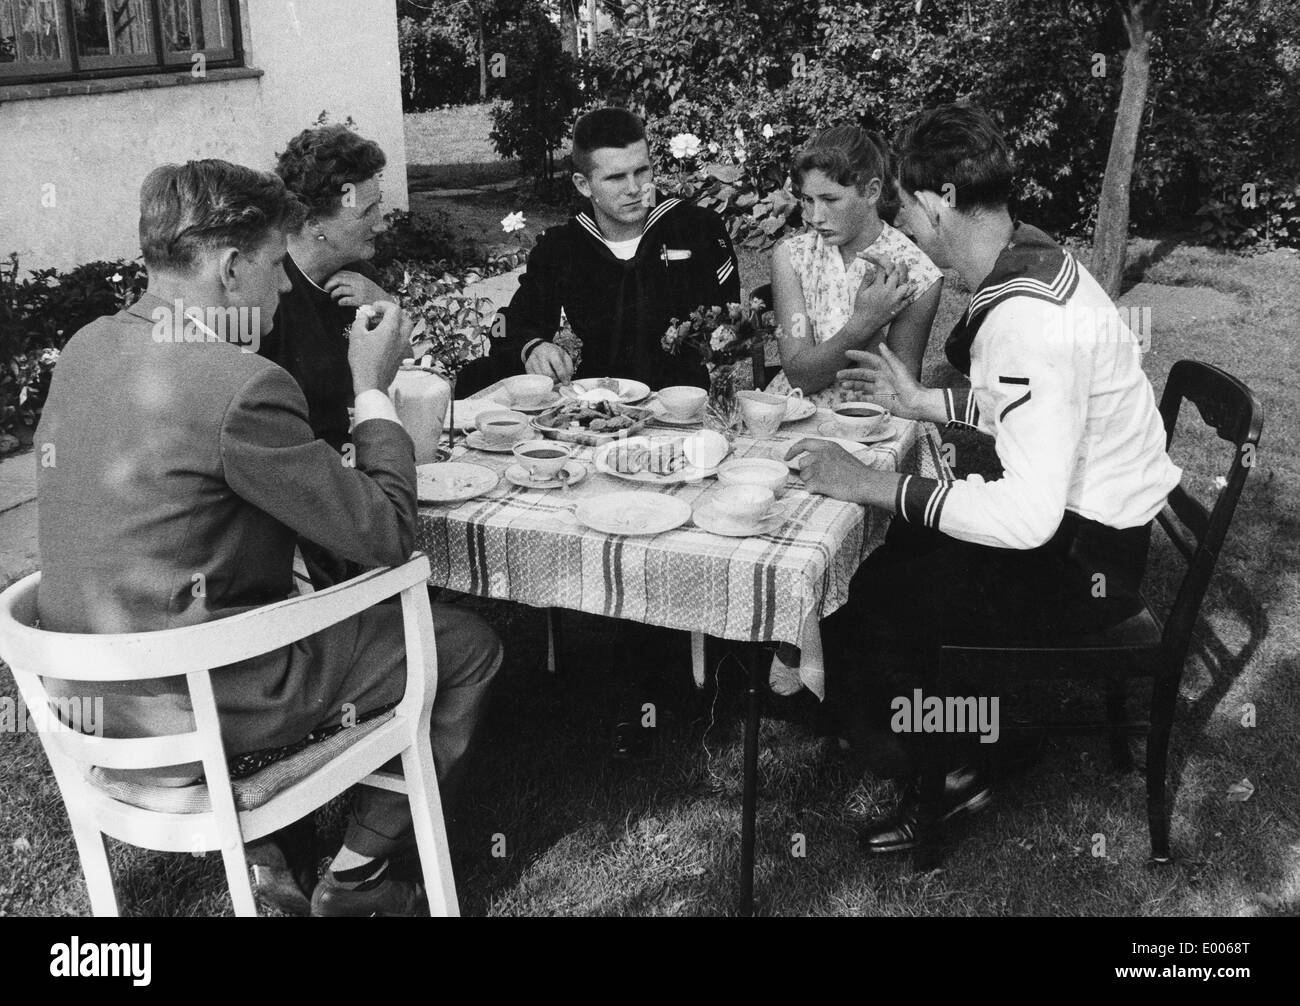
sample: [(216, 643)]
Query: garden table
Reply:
[(524, 545)]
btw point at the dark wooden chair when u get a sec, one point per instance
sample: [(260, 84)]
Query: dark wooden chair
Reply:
[(763, 374), (1141, 646)]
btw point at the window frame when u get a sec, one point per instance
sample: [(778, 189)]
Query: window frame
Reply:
[(74, 66)]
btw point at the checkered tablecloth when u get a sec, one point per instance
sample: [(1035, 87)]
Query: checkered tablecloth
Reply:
[(523, 545)]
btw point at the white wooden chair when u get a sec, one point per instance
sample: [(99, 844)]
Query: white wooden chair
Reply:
[(216, 814)]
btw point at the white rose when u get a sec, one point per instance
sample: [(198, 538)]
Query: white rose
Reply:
[(877, 53), (722, 337), (768, 132), (684, 145), (513, 222)]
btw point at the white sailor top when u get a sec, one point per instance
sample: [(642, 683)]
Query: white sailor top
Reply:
[(1057, 380)]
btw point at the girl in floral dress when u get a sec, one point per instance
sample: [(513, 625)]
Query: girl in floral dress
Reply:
[(851, 281)]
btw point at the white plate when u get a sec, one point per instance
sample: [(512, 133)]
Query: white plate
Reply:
[(661, 415), (476, 441), (518, 474), (797, 409), (707, 518), (629, 513), (629, 392), (452, 481), (852, 446), (832, 429), (690, 473)]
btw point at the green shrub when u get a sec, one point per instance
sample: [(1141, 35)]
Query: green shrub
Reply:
[(437, 69)]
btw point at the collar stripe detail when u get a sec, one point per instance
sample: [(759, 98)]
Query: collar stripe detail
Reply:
[(1057, 291)]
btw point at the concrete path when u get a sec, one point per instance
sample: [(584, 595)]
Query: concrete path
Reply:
[(17, 516)]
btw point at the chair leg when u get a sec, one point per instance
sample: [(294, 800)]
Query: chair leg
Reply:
[(94, 865), (241, 887), (1164, 696), (430, 829), (1121, 753), (699, 666)]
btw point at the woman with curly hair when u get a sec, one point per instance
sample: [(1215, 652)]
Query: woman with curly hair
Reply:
[(334, 173)]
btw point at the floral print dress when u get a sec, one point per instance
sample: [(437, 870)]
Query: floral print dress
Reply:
[(830, 287)]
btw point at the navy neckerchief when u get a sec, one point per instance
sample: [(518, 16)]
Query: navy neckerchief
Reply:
[(586, 219), (1031, 265)]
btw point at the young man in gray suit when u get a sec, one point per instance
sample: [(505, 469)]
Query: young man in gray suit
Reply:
[(176, 468)]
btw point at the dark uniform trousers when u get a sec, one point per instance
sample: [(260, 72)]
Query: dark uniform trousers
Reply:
[(922, 590)]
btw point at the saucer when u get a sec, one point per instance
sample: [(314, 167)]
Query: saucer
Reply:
[(707, 518), (478, 442), (798, 408), (831, 428), (667, 420), (518, 474)]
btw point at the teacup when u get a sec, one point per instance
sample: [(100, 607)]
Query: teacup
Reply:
[(763, 412), (501, 427), (746, 505), (762, 472), (529, 389), (683, 402), (860, 419), (544, 459)]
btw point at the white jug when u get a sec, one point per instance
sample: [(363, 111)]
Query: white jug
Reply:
[(421, 397)]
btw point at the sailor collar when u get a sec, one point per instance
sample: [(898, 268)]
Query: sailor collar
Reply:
[(1031, 265)]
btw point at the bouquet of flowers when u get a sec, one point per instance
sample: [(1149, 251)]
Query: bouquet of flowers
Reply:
[(724, 339)]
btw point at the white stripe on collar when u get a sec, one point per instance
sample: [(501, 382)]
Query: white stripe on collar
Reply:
[(1054, 291)]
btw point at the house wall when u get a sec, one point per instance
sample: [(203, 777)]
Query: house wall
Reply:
[(95, 149)]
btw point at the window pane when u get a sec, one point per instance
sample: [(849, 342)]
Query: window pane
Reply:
[(193, 25), (112, 27), (29, 32)]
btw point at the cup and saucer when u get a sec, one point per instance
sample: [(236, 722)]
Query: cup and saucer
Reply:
[(531, 393), (544, 464), (860, 422), (478, 441), (739, 511)]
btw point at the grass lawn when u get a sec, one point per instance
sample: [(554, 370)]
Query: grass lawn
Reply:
[(584, 835)]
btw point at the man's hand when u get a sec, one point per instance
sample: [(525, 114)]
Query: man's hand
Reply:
[(879, 301), (551, 361), (351, 289), (885, 380), (829, 470), (374, 354)]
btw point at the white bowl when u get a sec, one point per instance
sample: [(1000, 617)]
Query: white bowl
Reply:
[(762, 472), (528, 389), (683, 401)]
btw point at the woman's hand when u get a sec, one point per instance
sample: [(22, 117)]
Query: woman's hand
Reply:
[(885, 379), (351, 289), (879, 301)]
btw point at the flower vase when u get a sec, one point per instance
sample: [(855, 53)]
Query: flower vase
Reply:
[(722, 410)]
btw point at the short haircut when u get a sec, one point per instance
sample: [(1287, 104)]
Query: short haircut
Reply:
[(849, 155), (603, 127), (209, 204), (956, 145), (319, 162)]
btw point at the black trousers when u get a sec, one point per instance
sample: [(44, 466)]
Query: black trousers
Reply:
[(922, 590)]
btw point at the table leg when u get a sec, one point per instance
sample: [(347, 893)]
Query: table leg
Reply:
[(698, 669), (749, 803), (552, 639)]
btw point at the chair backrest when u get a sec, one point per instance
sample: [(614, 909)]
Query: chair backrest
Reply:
[(192, 651), (1232, 410), (759, 356)]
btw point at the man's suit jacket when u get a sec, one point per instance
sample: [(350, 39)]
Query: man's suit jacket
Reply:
[(172, 481)]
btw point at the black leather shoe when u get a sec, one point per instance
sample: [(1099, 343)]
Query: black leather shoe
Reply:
[(390, 898), (274, 883), (632, 742), (965, 791)]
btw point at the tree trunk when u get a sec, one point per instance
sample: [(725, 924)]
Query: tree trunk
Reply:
[(482, 54), (1110, 240), (569, 27), (593, 12)]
